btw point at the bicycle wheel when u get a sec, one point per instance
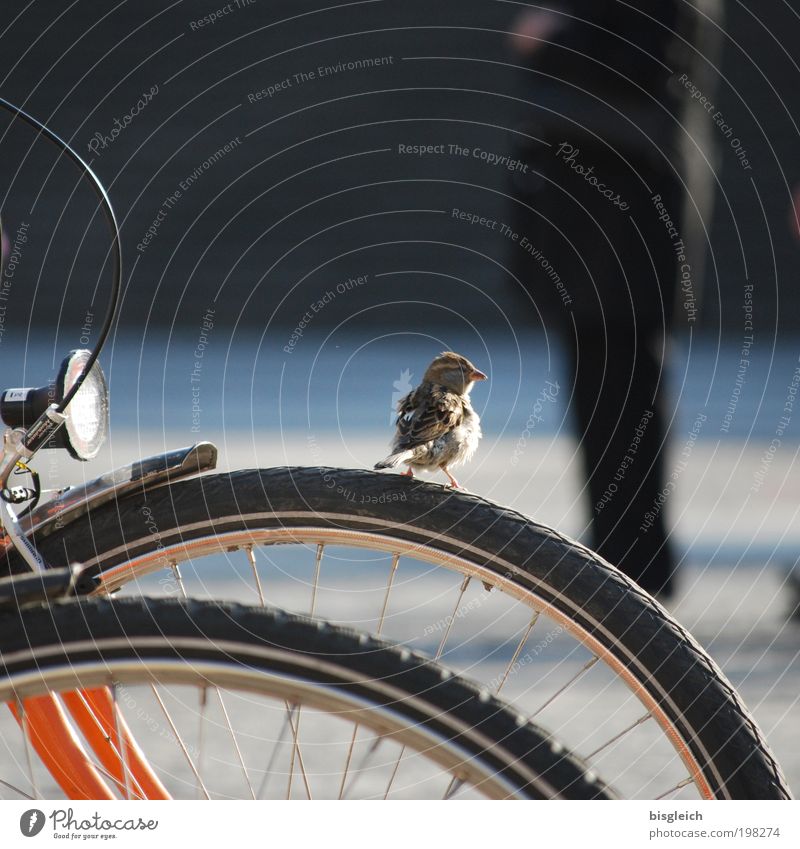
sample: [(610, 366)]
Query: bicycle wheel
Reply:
[(629, 689), (260, 668)]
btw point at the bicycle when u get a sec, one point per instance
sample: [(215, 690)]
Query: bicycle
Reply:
[(690, 734)]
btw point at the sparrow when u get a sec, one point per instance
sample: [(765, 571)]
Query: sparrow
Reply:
[(436, 425)]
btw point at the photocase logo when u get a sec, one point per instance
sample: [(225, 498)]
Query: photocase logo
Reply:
[(401, 388), (31, 822)]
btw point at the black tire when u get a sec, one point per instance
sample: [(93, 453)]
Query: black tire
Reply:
[(718, 738), (50, 640)]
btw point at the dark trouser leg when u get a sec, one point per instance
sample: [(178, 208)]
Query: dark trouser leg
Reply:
[(622, 428)]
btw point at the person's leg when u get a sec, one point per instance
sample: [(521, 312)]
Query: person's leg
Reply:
[(619, 268), (619, 381)]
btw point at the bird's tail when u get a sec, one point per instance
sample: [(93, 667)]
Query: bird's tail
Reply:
[(394, 460)]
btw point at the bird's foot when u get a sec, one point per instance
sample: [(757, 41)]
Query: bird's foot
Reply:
[(408, 473), (453, 482)]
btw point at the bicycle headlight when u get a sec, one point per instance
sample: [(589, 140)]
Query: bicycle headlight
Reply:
[(86, 426)]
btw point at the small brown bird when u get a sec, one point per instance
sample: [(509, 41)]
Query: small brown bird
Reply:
[(436, 425)]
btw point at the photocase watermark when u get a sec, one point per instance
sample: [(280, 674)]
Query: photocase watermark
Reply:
[(687, 287), (744, 359), (355, 497), (508, 232), (167, 583), (320, 72), (402, 386), (530, 655), (101, 141), (548, 395), (331, 482), (153, 723), (528, 246), (661, 499), (313, 448), (463, 610), (317, 306), (338, 485), (86, 329), (53, 474), (489, 157), (195, 376), (9, 272), (719, 120), (65, 825), (780, 429), (32, 822), (626, 462), (169, 202), (222, 12), (569, 156)]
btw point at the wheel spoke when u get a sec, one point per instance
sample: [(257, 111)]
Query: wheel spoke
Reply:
[(235, 744), (317, 568), (453, 787), (452, 617), (274, 756), (289, 723), (295, 727), (686, 781), (381, 619), (28, 755), (137, 788), (176, 571), (251, 556), (585, 668), (347, 761), (517, 653), (115, 781), (394, 773), (368, 755), (439, 651), (619, 736), (201, 736), (180, 742), (123, 750), (16, 789), (389, 583)]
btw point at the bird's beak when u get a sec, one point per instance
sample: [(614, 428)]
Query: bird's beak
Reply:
[(478, 375)]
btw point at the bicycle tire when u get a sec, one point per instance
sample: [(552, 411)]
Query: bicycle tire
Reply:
[(698, 709), (91, 642)]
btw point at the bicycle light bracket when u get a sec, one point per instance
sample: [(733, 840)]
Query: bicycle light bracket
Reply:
[(81, 428)]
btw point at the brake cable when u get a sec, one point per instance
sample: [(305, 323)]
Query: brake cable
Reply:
[(116, 243)]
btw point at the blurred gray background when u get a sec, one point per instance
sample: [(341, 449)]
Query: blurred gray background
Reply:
[(317, 191)]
